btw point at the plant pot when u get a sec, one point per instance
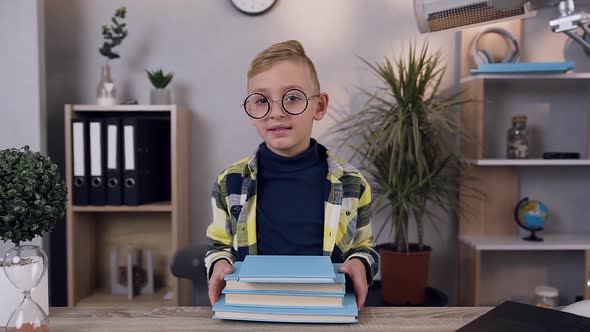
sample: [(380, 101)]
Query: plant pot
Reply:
[(404, 275), (160, 97)]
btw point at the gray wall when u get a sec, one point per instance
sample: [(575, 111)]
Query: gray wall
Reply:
[(22, 90), (22, 101), (208, 45)]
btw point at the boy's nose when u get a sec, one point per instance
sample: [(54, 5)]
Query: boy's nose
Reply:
[(276, 109)]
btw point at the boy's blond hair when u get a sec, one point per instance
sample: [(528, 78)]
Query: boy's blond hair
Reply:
[(288, 50)]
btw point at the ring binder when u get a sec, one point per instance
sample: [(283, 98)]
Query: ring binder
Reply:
[(114, 154), (146, 170), (97, 190), (80, 162)]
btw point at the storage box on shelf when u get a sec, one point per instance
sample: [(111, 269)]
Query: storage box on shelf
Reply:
[(558, 110), (163, 227)]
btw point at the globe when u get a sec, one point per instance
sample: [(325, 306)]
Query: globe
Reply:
[(531, 215)]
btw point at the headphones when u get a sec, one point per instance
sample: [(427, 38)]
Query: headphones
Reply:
[(482, 56)]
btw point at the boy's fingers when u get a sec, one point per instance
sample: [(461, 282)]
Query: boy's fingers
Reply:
[(212, 297), (360, 298), (361, 295), (344, 268), (217, 282), (215, 288)]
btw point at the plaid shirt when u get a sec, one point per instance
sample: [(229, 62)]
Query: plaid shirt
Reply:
[(347, 224)]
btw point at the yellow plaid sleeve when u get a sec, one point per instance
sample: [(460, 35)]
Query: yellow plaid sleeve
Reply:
[(219, 233)]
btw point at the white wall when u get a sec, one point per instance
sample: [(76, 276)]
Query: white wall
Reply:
[(208, 45), (22, 107)]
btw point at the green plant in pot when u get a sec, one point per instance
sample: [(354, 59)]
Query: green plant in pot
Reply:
[(159, 95), (32, 201), (405, 140), (113, 35)]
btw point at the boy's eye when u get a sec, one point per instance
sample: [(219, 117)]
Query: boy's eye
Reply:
[(292, 98), (261, 101)]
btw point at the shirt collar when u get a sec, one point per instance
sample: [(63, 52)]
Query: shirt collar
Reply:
[(336, 167)]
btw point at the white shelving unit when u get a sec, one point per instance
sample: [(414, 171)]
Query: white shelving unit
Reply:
[(561, 108), (530, 162), (515, 242)]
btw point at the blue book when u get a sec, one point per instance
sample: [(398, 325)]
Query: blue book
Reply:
[(265, 298), (524, 67), (346, 314), (337, 287), (287, 269)]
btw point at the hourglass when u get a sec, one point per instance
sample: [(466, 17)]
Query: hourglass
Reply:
[(25, 266)]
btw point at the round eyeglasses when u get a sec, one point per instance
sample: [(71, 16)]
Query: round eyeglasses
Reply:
[(294, 102)]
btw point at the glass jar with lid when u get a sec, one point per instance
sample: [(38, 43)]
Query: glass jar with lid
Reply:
[(546, 296), (517, 139)]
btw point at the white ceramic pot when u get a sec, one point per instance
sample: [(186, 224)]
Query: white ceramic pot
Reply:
[(160, 97)]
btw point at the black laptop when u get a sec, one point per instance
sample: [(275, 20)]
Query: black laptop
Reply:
[(517, 317)]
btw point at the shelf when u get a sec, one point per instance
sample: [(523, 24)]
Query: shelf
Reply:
[(152, 207), (570, 76), (530, 162), (165, 226), (103, 298), (147, 108), (515, 242)]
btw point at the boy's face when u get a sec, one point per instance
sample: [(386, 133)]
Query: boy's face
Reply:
[(285, 134)]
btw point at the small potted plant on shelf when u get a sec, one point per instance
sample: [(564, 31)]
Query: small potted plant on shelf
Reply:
[(32, 201), (113, 36), (405, 142), (159, 95)]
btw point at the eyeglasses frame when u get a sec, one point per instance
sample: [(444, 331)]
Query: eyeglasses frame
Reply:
[(282, 100)]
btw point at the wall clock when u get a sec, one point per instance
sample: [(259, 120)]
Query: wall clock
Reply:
[(253, 7)]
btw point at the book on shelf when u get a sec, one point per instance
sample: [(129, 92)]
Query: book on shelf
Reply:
[(347, 314), (287, 269)]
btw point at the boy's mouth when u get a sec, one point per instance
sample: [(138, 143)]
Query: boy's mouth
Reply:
[(279, 129)]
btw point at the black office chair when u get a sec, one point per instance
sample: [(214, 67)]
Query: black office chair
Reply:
[(189, 263)]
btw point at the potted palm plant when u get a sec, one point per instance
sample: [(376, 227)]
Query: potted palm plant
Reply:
[(406, 144)]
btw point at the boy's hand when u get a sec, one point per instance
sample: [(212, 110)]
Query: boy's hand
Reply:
[(216, 283), (356, 271)]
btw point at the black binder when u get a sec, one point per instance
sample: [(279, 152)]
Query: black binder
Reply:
[(80, 162), (146, 146), (517, 317), (114, 164), (97, 187)]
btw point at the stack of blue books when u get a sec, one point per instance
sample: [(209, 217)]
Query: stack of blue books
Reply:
[(295, 289)]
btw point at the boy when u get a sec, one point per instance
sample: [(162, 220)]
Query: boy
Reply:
[(293, 197)]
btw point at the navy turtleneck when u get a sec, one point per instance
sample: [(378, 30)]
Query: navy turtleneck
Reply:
[(290, 202)]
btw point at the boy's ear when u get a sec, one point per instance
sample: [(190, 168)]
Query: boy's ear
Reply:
[(321, 107)]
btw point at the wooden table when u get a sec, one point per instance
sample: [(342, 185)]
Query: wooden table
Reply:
[(173, 319)]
